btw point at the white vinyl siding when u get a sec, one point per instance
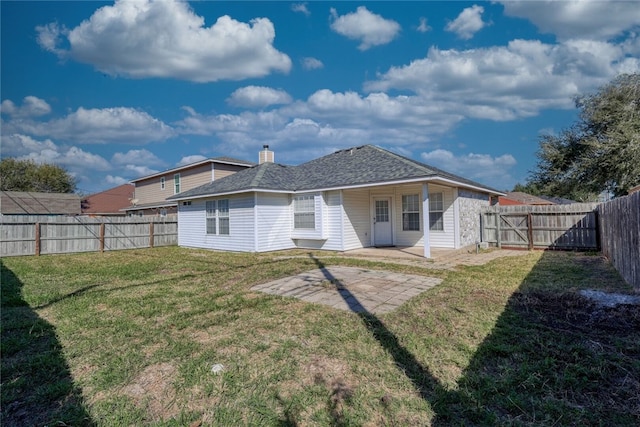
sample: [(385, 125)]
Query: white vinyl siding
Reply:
[(357, 221), (331, 224), (274, 222), (192, 226), (446, 237)]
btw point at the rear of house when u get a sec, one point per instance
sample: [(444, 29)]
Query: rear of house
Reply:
[(355, 198)]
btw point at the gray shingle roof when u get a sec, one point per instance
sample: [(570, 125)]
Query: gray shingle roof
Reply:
[(362, 165)]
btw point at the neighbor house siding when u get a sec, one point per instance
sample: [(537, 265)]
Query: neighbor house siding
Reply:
[(149, 190), (357, 221), (470, 204), (274, 214), (220, 170), (192, 225)]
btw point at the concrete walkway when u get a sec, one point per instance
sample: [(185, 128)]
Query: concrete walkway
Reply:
[(353, 289)]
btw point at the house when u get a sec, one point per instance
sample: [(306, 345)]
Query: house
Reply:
[(111, 202), (520, 198), (151, 191), (32, 203), (359, 197)]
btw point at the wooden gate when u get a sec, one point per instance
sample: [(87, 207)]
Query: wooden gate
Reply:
[(542, 227)]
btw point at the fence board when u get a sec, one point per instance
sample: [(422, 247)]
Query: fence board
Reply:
[(59, 234), (542, 227), (620, 235)]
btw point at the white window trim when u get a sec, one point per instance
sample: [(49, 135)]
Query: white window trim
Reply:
[(316, 233), (177, 184), (433, 211), (162, 183), (217, 215), (417, 211)]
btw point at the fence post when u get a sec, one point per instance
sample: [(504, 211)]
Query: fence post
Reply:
[(102, 236), (37, 238), (530, 230), (498, 220), (151, 234)]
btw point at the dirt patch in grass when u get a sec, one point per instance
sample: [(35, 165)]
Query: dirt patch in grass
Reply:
[(577, 313), (154, 389)]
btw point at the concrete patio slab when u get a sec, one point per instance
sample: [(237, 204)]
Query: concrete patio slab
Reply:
[(353, 289)]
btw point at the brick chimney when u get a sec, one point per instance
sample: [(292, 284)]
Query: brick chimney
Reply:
[(265, 155)]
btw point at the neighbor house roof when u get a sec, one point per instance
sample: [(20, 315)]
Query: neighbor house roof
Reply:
[(31, 203), (222, 159), (110, 201), (520, 198), (359, 166)]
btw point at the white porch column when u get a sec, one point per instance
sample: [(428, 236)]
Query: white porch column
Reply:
[(425, 220)]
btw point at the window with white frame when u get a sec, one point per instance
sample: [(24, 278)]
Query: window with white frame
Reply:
[(410, 212), (162, 183), (436, 211), (163, 213), (304, 212), (217, 216), (176, 183)]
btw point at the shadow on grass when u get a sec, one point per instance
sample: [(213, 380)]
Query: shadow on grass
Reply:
[(552, 358), (37, 388)]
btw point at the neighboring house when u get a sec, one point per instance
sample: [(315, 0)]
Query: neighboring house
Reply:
[(31, 203), (354, 198), (152, 191), (110, 202), (520, 198)]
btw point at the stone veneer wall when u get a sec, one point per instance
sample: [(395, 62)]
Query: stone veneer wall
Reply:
[(471, 205)]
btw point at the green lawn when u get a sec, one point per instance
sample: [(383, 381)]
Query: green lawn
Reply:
[(130, 338)]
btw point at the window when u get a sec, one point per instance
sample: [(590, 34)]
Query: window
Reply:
[(176, 183), (217, 216), (162, 183), (163, 213), (304, 212), (436, 212), (188, 203), (411, 212)]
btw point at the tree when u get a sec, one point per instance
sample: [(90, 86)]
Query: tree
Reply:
[(601, 152), (27, 175)]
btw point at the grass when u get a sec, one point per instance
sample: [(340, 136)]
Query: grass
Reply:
[(130, 338)]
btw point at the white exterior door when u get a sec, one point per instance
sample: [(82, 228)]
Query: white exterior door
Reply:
[(382, 235)]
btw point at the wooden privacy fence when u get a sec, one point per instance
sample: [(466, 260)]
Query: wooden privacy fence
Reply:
[(34, 235), (572, 226), (620, 235)]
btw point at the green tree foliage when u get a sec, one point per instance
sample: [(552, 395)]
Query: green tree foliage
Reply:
[(601, 152), (27, 175)]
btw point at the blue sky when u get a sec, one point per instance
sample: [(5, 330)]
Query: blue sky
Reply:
[(115, 91)]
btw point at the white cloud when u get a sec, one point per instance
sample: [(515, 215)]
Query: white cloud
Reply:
[(507, 82), (115, 180), (31, 107), (138, 171), (467, 23), (166, 39), (423, 27), (310, 63), (301, 8), (600, 20), (370, 29), (493, 171), (71, 157), (187, 160), (136, 156), (98, 126), (258, 96)]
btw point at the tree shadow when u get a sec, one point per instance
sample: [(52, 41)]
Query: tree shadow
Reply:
[(37, 387), (553, 357)]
